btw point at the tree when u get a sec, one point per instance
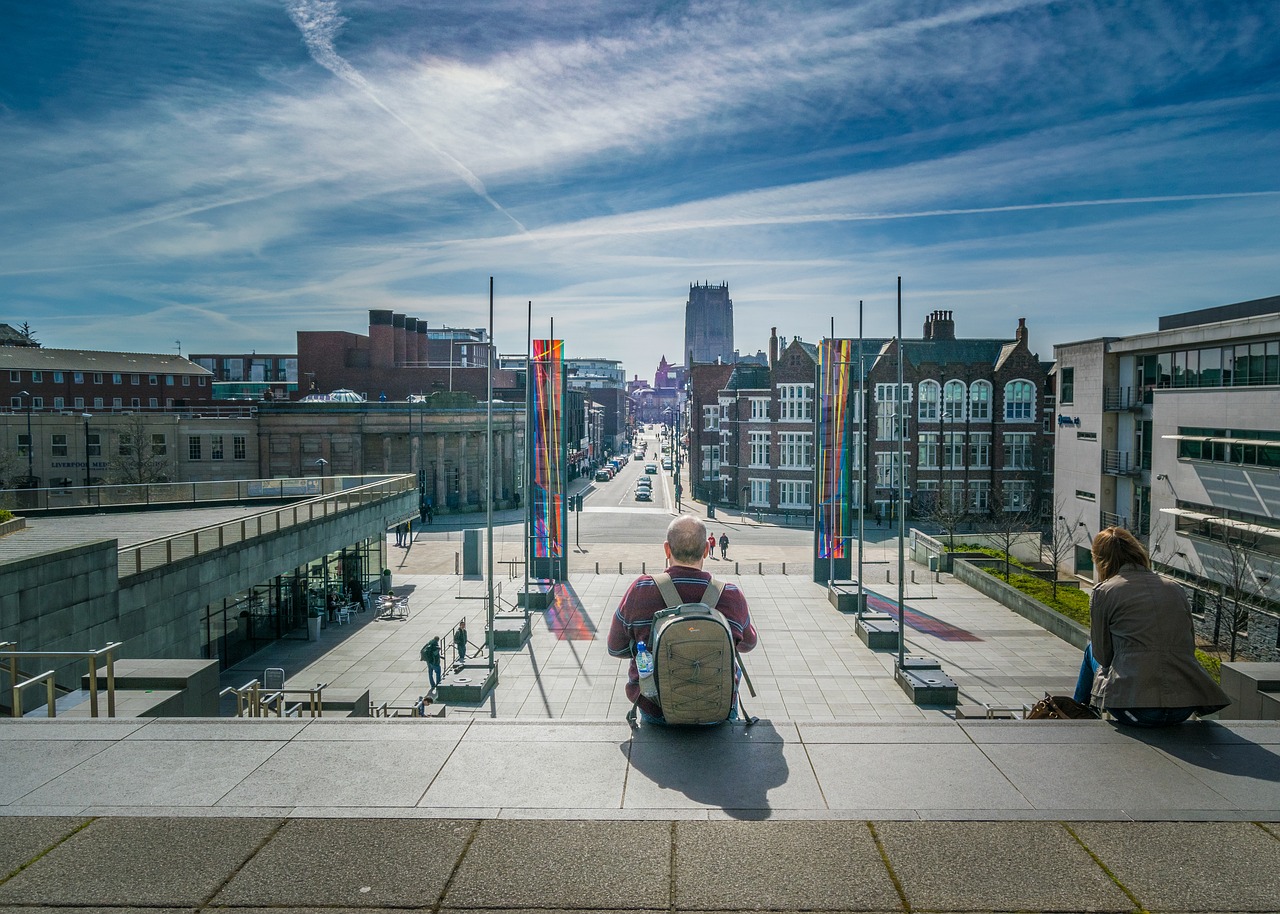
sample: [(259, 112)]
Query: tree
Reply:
[(141, 455), (1012, 514), (1242, 583), (948, 507), (1061, 544), (8, 463)]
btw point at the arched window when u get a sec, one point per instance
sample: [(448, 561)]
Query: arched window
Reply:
[(1019, 401), (953, 401), (980, 401), (929, 392)]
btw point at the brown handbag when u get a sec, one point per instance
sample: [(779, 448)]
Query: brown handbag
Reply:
[(1060, 707)]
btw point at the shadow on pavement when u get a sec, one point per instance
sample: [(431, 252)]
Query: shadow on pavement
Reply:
[(1209, 745), (726, 767)]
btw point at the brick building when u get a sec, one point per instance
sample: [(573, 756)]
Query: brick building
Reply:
[(400, 356), (972, 416)]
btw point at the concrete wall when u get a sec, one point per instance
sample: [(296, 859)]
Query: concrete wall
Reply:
[(74, 599), (969, 572), (64, 600)]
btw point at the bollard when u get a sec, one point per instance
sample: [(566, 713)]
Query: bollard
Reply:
[(456, 558), (913, 575), (759, 567), (597, 567), (886, 578), (642, 569), (619, 568), (784, 568)]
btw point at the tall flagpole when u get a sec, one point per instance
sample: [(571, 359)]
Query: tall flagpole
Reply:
[(488, 472), (902, 490), (528, 450), (862, 454)]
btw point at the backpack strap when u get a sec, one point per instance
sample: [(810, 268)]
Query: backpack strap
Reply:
[(671, 596)]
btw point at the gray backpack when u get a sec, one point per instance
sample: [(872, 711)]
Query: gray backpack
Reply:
[(694, 657)]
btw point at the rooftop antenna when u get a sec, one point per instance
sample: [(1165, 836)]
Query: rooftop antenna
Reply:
[(178, 343)]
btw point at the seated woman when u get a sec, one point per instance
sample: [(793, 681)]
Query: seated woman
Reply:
[(1142, 640)]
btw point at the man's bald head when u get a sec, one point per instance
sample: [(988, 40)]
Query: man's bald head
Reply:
[(687, 538)]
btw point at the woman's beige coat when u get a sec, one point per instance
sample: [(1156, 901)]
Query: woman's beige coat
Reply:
[(1143, 638)]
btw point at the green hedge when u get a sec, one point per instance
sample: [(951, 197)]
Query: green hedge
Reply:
[(5, 515)]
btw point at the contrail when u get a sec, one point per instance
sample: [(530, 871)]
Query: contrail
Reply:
[(319, 22)]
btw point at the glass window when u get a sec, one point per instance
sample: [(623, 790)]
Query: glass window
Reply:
[(1019, 401), (58, 402), (239, 448), (93, 444), (1211, 367), (759, 409), (759, 442), (760, 493), (57, 445), (117, 378), (1193, 368), (37, 402), (57, 377), (15, 377), (37, 377), (97, 403), (215, 447), (930, 393), (78, 403), (1272, 369), (796, 450), (927, 450), (953, 450), (1017, 451), (159, 445), (980, 450), (193, 448), (24, 444), (97, 377), (77, 377), (953, 401), (980, 400)]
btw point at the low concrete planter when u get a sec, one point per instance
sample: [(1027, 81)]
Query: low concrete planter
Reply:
[(968, 571), (13, 526)]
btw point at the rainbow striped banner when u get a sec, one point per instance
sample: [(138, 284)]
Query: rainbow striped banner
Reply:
[(832, 524), (546, 500)]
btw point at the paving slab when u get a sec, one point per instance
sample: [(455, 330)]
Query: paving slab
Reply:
[(556, 775), (68, 729), (349, 863), (684, 769), (155, 773), (813, 866), (23, 838), (622, 865), (812, 732), (1135, 778), (132, 862), (383, 729), (990, 866), (342, 773), (240, 728), (1181, 866), (31, 763), (912, 776)]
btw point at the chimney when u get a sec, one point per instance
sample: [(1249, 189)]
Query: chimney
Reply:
[(397, 335), (422, 342), (940, 326), (410, 339), (1021, 333), (928, 326), (381, 345), (773, 348)]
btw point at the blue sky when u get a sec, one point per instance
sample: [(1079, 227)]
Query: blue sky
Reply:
[(226, 173)]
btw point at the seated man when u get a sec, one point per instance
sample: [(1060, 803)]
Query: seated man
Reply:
[(686, 549)]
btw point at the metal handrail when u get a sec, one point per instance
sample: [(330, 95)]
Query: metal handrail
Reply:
[(9, 651), (139, 557), (252, 701), (47, 678)]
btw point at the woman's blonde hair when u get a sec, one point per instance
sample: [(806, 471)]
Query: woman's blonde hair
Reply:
[(1116, 547)]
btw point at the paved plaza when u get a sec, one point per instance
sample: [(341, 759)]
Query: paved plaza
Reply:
[(844, 797)]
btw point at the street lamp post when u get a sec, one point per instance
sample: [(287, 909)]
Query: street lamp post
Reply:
[(321, 463), (86, 417), (31, 442)]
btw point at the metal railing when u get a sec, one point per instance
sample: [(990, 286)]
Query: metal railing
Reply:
[(1115, 399), (252, 700), (164, 550), (1120, 463), (1110, 519), (9, 652), (177, 493)]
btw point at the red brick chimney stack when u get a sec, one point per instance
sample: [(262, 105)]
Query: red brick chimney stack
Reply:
[(382, 347), (397, 336), (773, 348), (1021, 334)]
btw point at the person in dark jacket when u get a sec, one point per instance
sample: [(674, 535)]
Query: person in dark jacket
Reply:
[(460, 640), (1140, 664), (431, 654)]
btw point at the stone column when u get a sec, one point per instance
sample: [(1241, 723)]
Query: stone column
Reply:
[(386, 453), (464, 482), (440, 471)]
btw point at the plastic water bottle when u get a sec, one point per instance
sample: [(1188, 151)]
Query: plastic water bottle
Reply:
[(644, 666)]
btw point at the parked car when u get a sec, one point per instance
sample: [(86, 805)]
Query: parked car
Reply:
[(603, 476), (666, 464), (651, 468)]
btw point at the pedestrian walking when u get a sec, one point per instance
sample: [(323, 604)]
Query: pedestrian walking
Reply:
[(711, 546), (724, 546), (431, 654)]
